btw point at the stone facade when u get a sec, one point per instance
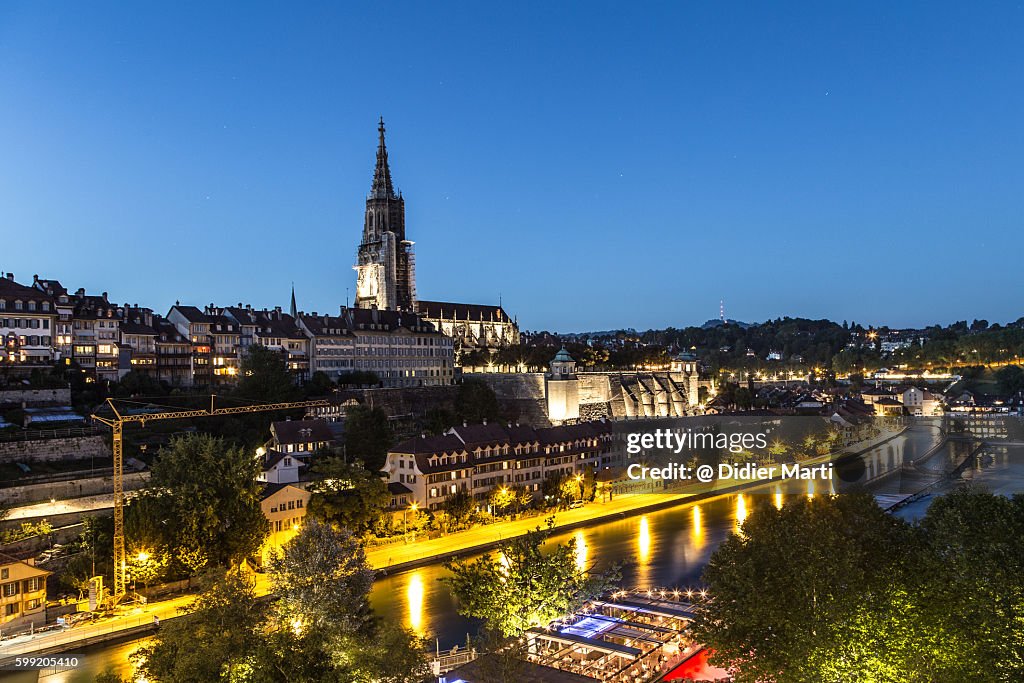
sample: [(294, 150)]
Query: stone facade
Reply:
[(385, 263), (53, 450)]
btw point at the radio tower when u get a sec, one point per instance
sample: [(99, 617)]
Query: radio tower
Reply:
[(721, 309)]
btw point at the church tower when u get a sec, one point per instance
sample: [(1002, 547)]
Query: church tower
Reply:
[(385, 263)]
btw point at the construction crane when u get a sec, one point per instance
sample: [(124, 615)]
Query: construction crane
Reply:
[(116, 425)]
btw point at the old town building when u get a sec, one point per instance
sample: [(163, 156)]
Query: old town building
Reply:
[(27, 321), (426, 470)]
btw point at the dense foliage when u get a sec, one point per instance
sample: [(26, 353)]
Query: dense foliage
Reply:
[(201, 506), (321, 627), (347, 494), (520, 586), (834, 589)]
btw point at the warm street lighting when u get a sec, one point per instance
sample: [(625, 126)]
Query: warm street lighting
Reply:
[(143, 556)]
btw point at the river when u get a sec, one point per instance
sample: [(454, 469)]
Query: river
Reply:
[(667, 548)]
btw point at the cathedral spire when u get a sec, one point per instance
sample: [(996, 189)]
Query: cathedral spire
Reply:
[(293, 311), (382, 187)]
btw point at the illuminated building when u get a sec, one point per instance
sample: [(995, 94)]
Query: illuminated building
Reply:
[(385, 263), (478, 458), (22, 594), (284, 506), (27, 321), (386, 272), (399, 347)]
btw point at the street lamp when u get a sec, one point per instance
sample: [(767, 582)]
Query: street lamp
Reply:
[(414, 506)]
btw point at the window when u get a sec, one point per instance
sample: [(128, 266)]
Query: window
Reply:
[(10, 589), (298, 503), (277, 525), (291, 504), (34, 603), (12, 609), (5, 573), (34, 584)]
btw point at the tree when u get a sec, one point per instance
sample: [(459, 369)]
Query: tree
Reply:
[(476, 402), (202, 502), (500, 499), (347, 495), (136, 383), (976, 591), (459, 506), (265, 377), (368, 435), (320, 384), (521, 587), (1010, 379), (820, 590), (222, 627), (322, 627), (323, 580)]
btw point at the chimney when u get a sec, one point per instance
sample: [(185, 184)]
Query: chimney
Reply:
[(10, 276), (104, 295), (35, 279)]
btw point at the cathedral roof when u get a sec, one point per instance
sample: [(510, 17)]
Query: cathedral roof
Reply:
[(436, 310)]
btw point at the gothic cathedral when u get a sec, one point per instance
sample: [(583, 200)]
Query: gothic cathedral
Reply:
[(385, 264)]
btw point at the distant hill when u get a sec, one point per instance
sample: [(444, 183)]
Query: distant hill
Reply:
[(715, 322)]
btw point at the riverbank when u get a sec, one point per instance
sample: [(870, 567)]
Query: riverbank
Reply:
[(401, 557), (395, 559)]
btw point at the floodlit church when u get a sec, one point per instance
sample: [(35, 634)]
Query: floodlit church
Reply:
[(386, 272)]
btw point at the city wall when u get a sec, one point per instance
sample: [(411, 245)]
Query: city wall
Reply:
[(53, 450), (61, 490), (33, 397)]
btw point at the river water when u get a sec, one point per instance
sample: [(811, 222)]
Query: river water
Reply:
[(667, 548)]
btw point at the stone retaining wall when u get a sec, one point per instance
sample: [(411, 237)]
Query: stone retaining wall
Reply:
[(53, 450)]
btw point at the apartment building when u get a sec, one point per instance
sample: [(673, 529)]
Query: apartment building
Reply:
[(478, 458), (22, 594), (27, 322), (400, 347)]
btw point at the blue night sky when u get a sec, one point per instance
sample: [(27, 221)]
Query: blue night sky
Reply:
[(597, 165)]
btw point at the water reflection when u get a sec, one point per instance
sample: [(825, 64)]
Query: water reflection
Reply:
[(581, 550), (741, 512), (778, 498), (643, 541), (414, 597), (697, 529)]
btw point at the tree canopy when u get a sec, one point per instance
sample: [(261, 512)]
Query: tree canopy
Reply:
[(347, 494), (201, 504), (834, 589), (520, 587)]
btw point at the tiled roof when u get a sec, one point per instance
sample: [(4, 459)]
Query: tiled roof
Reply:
[(291, 431), (194, 315), (483, 436), (12, 291)]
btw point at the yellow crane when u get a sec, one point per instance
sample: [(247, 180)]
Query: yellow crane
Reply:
[(116, 425)]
